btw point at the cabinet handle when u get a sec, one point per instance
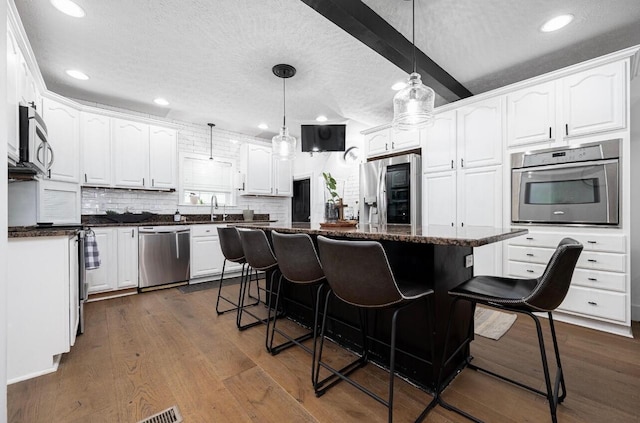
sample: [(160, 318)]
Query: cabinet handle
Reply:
[(49, 173), (153, 182), (529, 255), (243, 186), (592, 302), (566, 128), (393, 145), (276, 190), (132, 233), (592, 279), (462, 224), (271, 190), (142, 181), (592, 242), (385, 146), (207, 230), (452, 224), (549, 132), (461, 162), (592, 260), (529, 238), (85, 177), (530, 271)]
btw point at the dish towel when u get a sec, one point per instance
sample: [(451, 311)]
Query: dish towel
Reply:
[(91, 253)]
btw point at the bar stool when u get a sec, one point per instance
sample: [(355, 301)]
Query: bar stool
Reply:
[(299, 265), (232, 251), (358, 273), (259, 257), (524, 296)]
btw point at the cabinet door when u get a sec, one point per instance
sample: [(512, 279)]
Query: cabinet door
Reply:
[(404, 140), (594, 100), (531, 115), (127, 258), (439, 143), (439, 198), (480, 133), (283, 178), (63, 129), (95, 132), (480, 204), (377, 142), (13, 66), (162, 157), (74, 291), (58, 202), (259, 170), (131, 158), (105, 277), (26, 84), (206, 256)]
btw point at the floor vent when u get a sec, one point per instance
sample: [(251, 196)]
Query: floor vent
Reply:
[(170, 415)]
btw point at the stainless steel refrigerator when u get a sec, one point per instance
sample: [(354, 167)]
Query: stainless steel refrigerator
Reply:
[(391, 190)]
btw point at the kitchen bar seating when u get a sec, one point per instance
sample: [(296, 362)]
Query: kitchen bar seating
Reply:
[(359, 274), (525, 296), (299, 264), (260, 257)]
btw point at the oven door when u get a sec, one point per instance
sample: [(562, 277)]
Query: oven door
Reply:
[(584, 193)]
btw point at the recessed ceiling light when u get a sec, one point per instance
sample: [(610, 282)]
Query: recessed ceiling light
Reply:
[(77, 74), (161, 101), (398, 86), (68, 8), (321, 118), (263, 126), (556, 23)]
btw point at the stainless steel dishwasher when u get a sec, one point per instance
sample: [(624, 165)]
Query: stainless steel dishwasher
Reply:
[(163, 256)]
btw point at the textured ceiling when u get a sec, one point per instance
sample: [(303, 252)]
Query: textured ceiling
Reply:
[(212, 60)]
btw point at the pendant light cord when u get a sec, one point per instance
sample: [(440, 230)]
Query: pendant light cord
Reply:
[(284, 103), (413, 37)]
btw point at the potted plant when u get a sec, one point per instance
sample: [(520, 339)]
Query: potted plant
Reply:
[(331, 209)]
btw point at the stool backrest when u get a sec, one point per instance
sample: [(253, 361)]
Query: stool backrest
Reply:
[(297, 257), (230, 244), (358, 272), (554, 283), (257, 250)]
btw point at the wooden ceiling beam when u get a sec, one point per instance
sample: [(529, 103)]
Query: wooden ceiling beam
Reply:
[(364, 24)]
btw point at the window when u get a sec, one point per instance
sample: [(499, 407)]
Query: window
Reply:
[(202, 178)]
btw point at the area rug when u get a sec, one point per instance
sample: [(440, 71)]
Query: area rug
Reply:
[(170, 415), (491, 323)]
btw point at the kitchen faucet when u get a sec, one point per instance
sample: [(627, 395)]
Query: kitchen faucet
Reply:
[(214, 204)]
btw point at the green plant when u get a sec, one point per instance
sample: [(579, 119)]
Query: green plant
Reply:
[(331, 186)]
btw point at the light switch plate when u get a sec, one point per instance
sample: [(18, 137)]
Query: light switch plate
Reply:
[(468, 260)]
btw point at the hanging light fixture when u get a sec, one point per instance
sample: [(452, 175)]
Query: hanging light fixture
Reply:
[(413, 105), (283, 145), (211, 125)]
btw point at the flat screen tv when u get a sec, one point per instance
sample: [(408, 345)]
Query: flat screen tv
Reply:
[(316, 138)]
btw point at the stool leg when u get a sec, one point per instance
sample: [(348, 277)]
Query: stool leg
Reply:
[(224, 263), (557, 352), (315, 333), (545, 367), (318, 357), (392, 363), (243, 283), (272, 326)]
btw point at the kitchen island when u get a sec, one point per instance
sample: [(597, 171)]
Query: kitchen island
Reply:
[(437, 256)]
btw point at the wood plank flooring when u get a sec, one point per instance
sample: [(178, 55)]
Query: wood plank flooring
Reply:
[(144, 353)]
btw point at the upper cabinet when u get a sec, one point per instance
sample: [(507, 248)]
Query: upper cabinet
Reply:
[(479, 133), (162, 157), (439, 143), (264, 174), (389, 141), (531, 115), (13, 64), (63, 129), (95, 131), (131, 153), (282, 178), (594, 100)]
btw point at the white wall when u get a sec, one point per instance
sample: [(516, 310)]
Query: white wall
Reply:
[(635, 198), (347, 176), (3, 218), (192, 138)]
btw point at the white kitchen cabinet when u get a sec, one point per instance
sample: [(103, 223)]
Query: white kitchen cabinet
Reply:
[(58, 202), (63, 128), (594, 100), (439, 143), (206, 255), (39, 317), (264, 175), (27, 91), (479, 133), (131, 153), (127, 257), (105, 277), (162, 158), (13, 64), (389, 141), (377, 143), (439, 198), (74, 290), (95, 132), (531, 115)]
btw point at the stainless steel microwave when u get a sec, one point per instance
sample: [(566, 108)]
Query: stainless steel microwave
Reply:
[(576, 185), (35, 150)]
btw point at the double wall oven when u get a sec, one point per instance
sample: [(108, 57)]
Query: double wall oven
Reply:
[(571, 185)]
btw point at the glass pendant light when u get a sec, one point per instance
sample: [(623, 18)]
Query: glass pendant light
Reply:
[(283, 145), (413, 105)]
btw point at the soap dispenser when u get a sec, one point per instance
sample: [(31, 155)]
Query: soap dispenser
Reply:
[(176, 216)]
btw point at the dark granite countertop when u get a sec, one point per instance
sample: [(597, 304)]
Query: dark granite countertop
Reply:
[(35, 231), (470, 236), (100, 220)]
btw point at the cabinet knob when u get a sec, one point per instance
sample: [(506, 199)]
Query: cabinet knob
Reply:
[(85, 177), (393, 144), (530, 271), (592, 242), (529, 255), (566, 129), (592, 303), (386, 146), (592, 279), (132, 231), (529, 238), (592, 260), (451, 164), (461, 162)]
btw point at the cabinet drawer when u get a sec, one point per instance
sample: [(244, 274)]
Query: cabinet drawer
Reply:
[(204, 230), (602, 261), (530, 254), (602, 280), (525, 270), (591, 242), (537, 239), (596, 303)]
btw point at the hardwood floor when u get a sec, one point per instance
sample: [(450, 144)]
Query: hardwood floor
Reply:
[(144, 353)]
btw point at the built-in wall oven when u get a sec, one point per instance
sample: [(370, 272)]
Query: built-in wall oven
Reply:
[(570, 185)]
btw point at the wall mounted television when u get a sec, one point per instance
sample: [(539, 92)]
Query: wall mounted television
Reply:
[(317, 138)]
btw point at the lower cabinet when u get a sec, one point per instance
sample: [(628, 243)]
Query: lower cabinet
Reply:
[(118, 248), (206, 255), (42, 304)]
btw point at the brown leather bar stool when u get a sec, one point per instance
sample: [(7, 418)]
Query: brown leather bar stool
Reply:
[(232, 251), (260, 257), (299, 264), (358, 273), (524, 296)]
